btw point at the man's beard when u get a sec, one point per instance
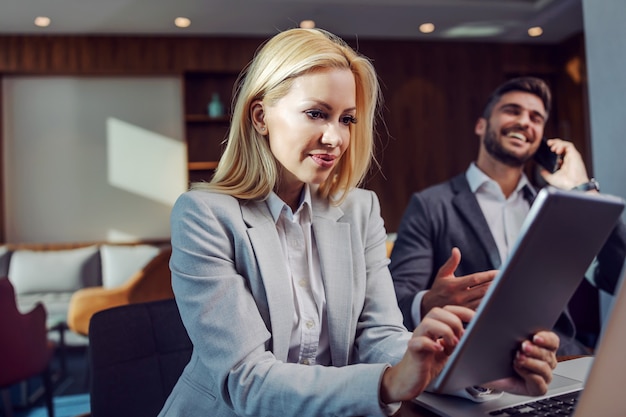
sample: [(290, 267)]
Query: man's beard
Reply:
[(499, 153)]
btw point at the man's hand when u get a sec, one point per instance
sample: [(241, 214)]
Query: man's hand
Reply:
[(572, 172), (447, 289)]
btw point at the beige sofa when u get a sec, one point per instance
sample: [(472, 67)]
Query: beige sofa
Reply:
[(53, 273)]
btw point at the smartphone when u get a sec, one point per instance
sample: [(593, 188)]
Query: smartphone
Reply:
[(546, 158)]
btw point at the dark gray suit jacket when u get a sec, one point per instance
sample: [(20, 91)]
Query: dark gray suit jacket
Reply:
[(448, 215)]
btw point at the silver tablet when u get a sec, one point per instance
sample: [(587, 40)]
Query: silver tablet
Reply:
[(559, 239)]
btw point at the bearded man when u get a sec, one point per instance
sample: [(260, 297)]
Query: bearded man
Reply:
[(479, 213)]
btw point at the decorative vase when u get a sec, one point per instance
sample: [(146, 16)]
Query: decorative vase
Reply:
[(215, 108)]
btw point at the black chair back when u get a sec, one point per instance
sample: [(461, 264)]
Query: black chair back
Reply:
[(136, 354)]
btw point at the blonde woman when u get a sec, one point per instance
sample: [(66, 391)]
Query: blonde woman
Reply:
[(279, 264)]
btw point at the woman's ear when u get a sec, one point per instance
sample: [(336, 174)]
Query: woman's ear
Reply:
[(257, 115)]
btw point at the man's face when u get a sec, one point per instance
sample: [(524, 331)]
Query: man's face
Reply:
[(514, 129)]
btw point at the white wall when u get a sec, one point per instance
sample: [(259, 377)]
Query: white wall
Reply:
[(605, 44), (91, 158)]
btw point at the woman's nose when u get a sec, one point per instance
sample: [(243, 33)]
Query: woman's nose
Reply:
[(332, 136)]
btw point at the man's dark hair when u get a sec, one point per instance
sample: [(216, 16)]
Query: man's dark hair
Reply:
[(531, 85)]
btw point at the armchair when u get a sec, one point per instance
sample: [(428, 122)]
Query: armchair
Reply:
[(25, 350), (151, 283)]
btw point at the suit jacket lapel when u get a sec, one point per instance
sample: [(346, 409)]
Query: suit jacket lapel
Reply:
[(274, 274), (334, 248), (466, 204)]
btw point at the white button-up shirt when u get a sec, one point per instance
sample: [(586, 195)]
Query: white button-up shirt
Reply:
[(309, 335), (504, 216)]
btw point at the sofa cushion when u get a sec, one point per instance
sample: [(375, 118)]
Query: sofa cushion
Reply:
[(54, 271), (55, 302), (121, 262)]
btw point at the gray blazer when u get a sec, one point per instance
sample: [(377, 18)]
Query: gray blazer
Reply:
[(447, 215), (234, 294)]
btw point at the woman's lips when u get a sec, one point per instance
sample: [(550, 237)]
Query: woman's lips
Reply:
[(324, 160)]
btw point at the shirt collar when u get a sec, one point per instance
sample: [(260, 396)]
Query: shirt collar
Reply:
[(477, 178), (278, 206)]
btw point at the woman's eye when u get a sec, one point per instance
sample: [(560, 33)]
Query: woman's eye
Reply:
[(315, 114), (348, 120)]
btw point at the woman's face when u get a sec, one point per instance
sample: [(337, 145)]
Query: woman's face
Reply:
[(309, 128)]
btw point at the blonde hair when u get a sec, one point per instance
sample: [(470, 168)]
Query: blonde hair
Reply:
[(247, 168)]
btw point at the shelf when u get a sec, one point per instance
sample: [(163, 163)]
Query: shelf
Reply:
[(201, 166), (205, 135)]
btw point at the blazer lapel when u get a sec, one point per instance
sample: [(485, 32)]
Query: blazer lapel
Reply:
[(466, 204), (334, 247), (273, 273)]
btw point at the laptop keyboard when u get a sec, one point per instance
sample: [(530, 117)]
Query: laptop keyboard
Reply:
[(560, 405)]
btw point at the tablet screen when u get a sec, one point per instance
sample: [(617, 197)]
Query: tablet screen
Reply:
[(559, 239)]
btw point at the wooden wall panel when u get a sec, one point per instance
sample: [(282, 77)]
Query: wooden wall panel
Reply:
[(92, 55), (2, 215), (433, 91), (572, 112), (434, 94)]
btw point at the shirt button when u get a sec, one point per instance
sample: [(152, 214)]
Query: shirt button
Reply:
[(303, 283), (309, 324), (305, 362)]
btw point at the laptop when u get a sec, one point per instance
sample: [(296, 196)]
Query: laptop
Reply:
[(569, 376)]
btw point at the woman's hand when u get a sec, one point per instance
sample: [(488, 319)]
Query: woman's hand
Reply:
[(533, 362), (428, 350)]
